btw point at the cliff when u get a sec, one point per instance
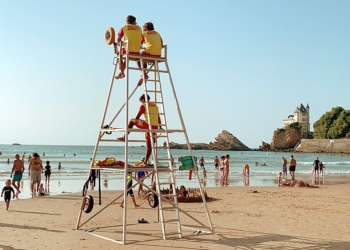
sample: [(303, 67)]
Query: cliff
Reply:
[(223, 142), (285, 139)]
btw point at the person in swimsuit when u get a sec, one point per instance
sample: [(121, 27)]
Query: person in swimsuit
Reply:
[(140, 175), (7, 191), (284, 168), (201, 162), (292, 166), (47, 173), (130, 192), (216, 163), (226, 169), (34, 171), (246, 170), (17, 169)]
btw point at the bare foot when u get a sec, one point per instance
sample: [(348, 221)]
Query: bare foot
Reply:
[(121, 139), (120, 75), (137, 205), (121, 206)]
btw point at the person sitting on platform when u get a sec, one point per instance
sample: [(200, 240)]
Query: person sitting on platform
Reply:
[(153, 43), (131, 33), (141, 124)]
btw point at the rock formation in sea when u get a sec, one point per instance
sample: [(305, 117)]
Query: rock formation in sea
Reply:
[(224, 142), (264, 146), (285, 139)]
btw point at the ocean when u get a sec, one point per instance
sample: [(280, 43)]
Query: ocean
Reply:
[(75, 169)]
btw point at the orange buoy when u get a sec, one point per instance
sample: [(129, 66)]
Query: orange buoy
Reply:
[(110, 36)]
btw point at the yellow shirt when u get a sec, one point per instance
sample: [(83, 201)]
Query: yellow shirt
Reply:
[(153, 113), (132, 34), (153, 42)]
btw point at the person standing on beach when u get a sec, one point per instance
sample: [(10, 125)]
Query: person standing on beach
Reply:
[(47, 173), (316, 166), (226, 169), (17, 169), (322, 167), (144, 124), (7, 190), (284, 168), (216, 163), (35, 170), (292, 166), (129, 181), (201, 162)]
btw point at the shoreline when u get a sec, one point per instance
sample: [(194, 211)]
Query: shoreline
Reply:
[(59, 185)]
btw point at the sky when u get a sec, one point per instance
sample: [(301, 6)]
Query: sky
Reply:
[(241, 66)]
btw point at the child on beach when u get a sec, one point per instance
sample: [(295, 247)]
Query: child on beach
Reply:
[(41, 190), (129, 181), (279, 178), (204, 173), (246, 170), (7, 190)]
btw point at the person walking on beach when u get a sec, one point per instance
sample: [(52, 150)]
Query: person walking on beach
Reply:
[(216, 163), (201, 162), (7, 191), (292, 166), (35, 170), (284, 168), (17, 169), (129, 181), (47, 173), (316, 166), (144, 124)]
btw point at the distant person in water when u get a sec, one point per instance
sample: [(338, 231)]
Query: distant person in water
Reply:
[(59, 165), (8, 161)]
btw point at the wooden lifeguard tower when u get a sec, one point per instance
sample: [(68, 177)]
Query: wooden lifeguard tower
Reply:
[(165, 203)]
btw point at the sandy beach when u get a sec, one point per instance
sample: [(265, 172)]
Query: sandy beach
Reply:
[(271, 218)]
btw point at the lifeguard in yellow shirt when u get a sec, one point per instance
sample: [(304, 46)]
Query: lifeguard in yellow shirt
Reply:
[(144, 124), (153, 44), (131, 33)]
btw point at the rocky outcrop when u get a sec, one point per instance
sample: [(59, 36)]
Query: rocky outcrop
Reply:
[(227, 142), (264, 146), (224, 142), (285, 139)]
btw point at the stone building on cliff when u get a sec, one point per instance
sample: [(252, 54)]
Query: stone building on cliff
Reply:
[(301, 115)]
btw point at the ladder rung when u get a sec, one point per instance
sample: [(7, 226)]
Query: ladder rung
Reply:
[(166, 183), (152, 70), (168, 208), (152, 80), (154, 91), (115, 140), (143, 130), (165, 148), (167, 195), (171, 220), (163, 159), (172, 233)]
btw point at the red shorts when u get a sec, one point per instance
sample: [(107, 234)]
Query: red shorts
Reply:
[(144, 125), (132, 53)]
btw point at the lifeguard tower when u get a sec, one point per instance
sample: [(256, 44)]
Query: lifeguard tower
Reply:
[(167, 206)]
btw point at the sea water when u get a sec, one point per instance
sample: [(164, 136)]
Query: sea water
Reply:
[(75, 164)]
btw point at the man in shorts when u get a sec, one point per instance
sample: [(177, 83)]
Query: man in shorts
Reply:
[(144, 124), (131, 33), (35, 170), (201, 162), (153, 44), (17, 172), (130, 192), (292, 166), (284, 168)]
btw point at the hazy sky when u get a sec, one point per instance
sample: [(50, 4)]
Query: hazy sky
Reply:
[(242, 66)]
